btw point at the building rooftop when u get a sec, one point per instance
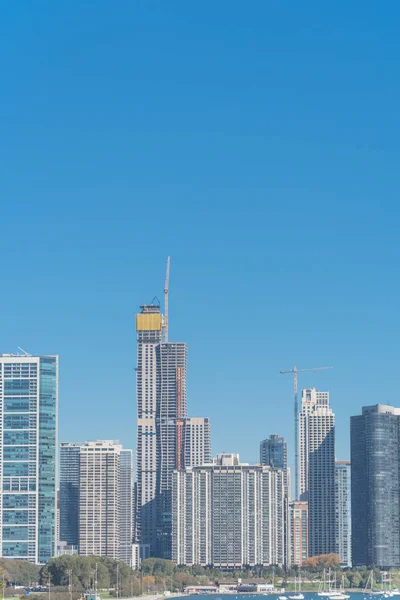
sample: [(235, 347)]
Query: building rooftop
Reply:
[(381, 409)]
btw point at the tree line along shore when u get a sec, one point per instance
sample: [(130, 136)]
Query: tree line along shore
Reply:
[(70, 576)]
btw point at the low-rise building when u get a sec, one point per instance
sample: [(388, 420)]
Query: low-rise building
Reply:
[(139, 552)]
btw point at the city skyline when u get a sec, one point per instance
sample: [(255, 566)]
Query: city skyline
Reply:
[(254, 150), (255, 450), (255, 455)]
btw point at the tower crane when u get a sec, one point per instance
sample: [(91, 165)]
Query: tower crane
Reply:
[(295, 371), (166, 290)]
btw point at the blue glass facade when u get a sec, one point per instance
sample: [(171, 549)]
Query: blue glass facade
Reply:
[(28, 409), (375, 486), (69, 492), (273, 452)]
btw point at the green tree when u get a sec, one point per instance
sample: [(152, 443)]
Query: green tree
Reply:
[(19, 572)]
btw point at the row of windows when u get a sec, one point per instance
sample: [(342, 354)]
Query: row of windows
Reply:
[(19, 485)]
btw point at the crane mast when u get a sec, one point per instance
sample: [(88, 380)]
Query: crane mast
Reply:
[(166, 291), (295, 372)]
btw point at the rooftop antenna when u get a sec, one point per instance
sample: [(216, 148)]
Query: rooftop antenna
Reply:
[(166, 290), (295, 371)]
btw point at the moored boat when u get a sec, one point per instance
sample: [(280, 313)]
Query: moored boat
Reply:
[(297, 590)]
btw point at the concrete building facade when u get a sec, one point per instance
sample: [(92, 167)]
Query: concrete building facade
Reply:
[(343, 511), (126, 505), (227, 459), (298, 511), (196, 442), (317, 469), (229, 516), (99, 499)]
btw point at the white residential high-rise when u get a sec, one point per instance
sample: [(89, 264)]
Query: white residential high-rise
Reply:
[(227, 459), (343, 511), (317, 469), (99, 501), (196, 442), (126, 505), (229, 516), (28, 451)]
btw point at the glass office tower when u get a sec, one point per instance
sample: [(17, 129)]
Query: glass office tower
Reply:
[(69, 492), (273, 452), (28, 413), (375, 486)]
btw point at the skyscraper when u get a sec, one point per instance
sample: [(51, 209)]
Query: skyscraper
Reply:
[(196, 441), (273, 452), (343, 511), (229, 515), (28, 448), (317, 469), (375, 486), (148, 373), (172, 412), (126, 505), (298, 511), (162, 428), (99, 499), (69, 492)]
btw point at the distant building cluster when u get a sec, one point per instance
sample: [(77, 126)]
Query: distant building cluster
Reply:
[(180, 503)]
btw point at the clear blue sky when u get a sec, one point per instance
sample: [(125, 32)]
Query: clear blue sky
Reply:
[(257, 144)]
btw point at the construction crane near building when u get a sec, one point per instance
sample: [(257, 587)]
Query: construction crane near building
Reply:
[(295, 371), (166, 291)]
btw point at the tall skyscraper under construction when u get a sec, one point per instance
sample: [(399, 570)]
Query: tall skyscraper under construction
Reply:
[(162, 428), (161, 398), (148, 371)]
